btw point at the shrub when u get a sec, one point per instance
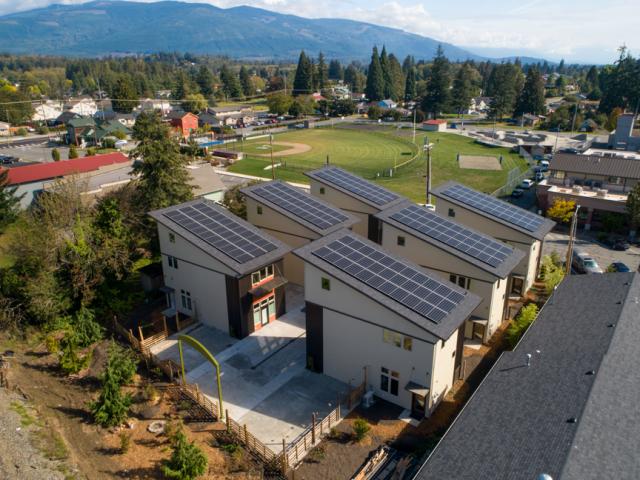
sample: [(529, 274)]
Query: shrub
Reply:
[(86, 329), (73, 151), (70, 360), (52, 343), (525, 318), (55, 155), (43, 129), (90, 152), (125, 442), (360, 429), (187, 460), (21, 132), (551, 271)]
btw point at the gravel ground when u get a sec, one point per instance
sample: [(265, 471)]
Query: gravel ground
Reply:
[(19, 458)]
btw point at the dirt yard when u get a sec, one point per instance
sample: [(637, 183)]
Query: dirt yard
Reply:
[(294, 149), (59, 439), (479, 162)]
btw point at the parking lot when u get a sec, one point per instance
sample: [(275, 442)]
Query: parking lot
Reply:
[(40, 152)]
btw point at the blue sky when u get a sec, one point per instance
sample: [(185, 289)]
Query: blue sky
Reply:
[(581, 31)]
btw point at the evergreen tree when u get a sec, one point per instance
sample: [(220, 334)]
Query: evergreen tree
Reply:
[(335, 70), (592, 78), (463, 89), (397, 78), (245, 82), (351, 77), (187, 461), (230, 83), (195, 103), (437, 95), (163, 177), (321, 75), (181, 87), (123, 96), (303, 80), (386, 74), (205, 81), (532, 96), (410, 89), (503, 90), (408, 63), (375, 78), (9, 201)]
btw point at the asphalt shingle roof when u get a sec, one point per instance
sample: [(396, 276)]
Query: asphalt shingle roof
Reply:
[(596, 165), (518, 424)]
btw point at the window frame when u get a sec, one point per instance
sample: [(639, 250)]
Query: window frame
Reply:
[(325, 283), (451, 213), (172, 261), (401, 240), (389, 381)]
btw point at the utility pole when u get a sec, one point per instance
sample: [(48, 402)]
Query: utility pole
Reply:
[(273, 168), (414, 125), (572, 234), (427, 148), (575, 113)]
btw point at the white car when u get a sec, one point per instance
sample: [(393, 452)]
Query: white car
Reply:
[(526, 183)]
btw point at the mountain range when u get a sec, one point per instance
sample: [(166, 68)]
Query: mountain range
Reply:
[(102, 28)]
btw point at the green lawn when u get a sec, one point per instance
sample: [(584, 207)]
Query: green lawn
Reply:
[(369, 151)]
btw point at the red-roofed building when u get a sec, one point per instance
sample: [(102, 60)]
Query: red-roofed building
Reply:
[(33, 179), (434, 125), (185, 123)]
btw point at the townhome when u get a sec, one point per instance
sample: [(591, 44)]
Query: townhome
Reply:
[(370, 311), (219, 269), (459, 254), (294, 217), (502, 220), (354, 195), (184, 123), (563, 404)]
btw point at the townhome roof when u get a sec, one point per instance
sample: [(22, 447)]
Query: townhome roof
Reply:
[(436, 306), (596, 165), (224, 236), (310, 212), (472, 246), (512, 216), (573, 412), (356, 187)]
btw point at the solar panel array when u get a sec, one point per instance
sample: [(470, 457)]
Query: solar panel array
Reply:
[(480, 247), (405, 284), (300, 204), (221, 231), (491, 205), (357, 185)]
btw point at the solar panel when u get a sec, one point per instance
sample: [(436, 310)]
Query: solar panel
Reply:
[(221, 231), (357, 185), (491, 205), (301, 204), (480, 247), (406, 284)]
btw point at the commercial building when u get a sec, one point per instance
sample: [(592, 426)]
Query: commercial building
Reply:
[(502, 220), (564, 402), (219, 269), (294, 217), (354, 195), (457, 253), (369, 310)]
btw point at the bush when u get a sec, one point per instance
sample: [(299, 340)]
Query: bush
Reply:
[(86, 329), (108, 143), (125, 442), (375, 112), (90, 152), (55, 155), (120, 135), (70, 360), (525, 318), (187, 460), (360, 429), (52, 343), (43, 129), (551, 271), (22, 132), (73, 151)]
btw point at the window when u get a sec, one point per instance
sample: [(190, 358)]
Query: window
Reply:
[(401, 240), (326, 284), (186, 299), (321, 190), (262, 275), (259, 209), (173, 261), (461, 281), (172, 237), (389, 381), (452, 212), (397, 339)]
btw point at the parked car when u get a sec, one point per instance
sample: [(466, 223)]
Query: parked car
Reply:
[(615, 243), (538, 176), (526, 183), (584, 263), (6, 159), (544, 165), (618, 267), (517, 193)]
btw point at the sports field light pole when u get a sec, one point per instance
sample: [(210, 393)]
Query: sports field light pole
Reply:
[(427, 148)]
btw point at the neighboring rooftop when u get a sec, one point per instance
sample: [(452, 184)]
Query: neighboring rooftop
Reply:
[(204, 179), (354, 186), (479, 249), (301, 207), (609, 166), (221, 234), (51, 170), (495, 209), (574, 412), (432, 304)]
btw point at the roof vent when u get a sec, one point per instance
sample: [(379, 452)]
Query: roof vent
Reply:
[(572, 420), (544, 476), (591, 372), (528, 359), (611, 325)]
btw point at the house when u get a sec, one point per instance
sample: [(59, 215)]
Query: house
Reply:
[(478, 105), (528, 120), (233, 110), (354, 195), (434, 125), (588, 126), (387, 104), (599, 184), (206, 181), (47, 111), (126, 119), (84, 106), (370, 311), (317, 96), (5, 129), (501, 220), (153, 105), (184, 123), (294, 217), (219, 269), (32, 180), (562, 405), (208, 118), (64, 118), (78, 128), (459, 254)]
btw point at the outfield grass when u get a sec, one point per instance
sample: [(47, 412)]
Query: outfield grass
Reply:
[(369, 151)]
